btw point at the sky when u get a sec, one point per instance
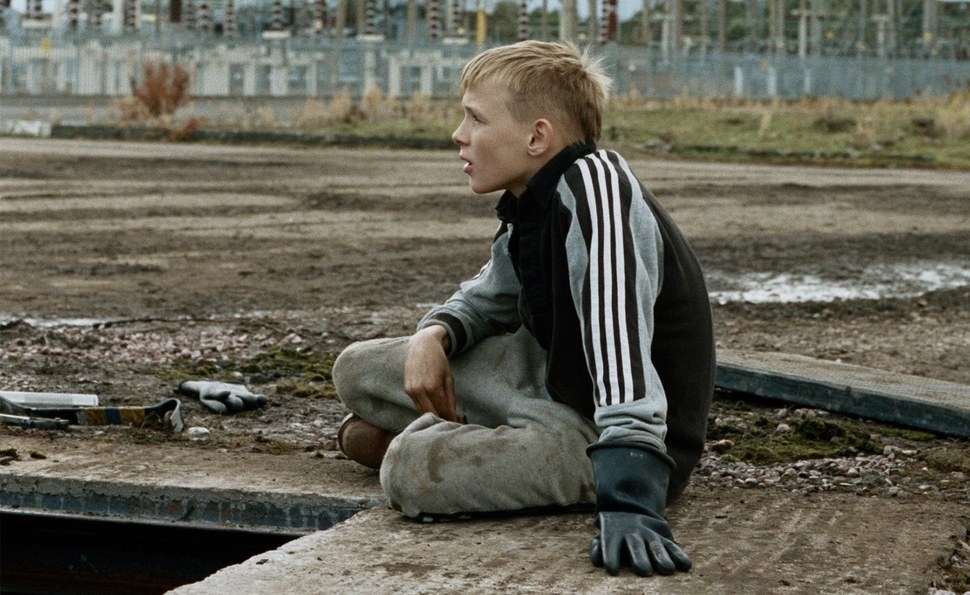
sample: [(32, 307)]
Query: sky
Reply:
[(626, 7)]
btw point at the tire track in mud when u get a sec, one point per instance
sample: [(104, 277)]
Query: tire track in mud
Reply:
[(767, 542), (170, 229)]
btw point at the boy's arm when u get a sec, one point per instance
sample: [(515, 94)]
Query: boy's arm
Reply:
[(427, 374), (615, 251), (483, 306)]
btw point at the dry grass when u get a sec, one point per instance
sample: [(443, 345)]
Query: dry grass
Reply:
[(809, 124), (162, 90), (344, 113), (924, 129), (930, 130)]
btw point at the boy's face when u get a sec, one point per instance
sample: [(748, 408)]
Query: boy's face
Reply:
[(492, 143)]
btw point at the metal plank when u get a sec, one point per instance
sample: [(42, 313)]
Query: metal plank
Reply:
[(899, 399)]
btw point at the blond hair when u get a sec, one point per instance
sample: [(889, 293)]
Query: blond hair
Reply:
[(545, 79)]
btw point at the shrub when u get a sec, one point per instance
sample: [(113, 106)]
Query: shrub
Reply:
[(162, 90)]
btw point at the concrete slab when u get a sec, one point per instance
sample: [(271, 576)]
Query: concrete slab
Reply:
[(741, 542), (164, 482), (911, 401)]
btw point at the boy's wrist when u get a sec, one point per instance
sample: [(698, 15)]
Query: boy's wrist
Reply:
[(439, 333)]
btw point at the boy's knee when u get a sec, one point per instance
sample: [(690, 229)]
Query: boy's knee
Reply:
[(341, 372), (403, 485), (414, 467), (361, 370), (369, 364), (438, 467)]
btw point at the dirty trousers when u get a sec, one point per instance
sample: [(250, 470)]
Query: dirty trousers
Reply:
[(519, 450)]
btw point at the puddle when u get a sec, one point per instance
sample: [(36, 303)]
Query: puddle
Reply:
[(874, 283), (55, 322), (46, 323)]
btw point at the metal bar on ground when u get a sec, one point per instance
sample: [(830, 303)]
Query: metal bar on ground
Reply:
[(45, 399), (912, 401)]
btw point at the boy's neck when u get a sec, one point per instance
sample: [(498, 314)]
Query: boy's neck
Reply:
[(545, 178)]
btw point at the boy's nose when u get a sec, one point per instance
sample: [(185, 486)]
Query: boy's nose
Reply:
[(456, 136)]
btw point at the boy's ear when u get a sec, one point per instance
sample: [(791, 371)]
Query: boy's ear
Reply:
[(541, 138)]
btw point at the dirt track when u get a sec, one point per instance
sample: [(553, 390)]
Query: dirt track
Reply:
[(179, 255)]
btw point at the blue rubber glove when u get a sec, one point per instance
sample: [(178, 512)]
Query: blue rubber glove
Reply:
[(631, 493), (222, 397), (639, 541)]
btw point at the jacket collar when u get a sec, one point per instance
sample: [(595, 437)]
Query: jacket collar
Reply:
[(542, 185)]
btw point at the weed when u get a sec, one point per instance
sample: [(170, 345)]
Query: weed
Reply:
[(341, 106), (313, 114), (372, 104), (183, 132), (736, 120), (832, 123), (928, 127), (265, 117), (956, 567), (8, 455), (947, 460), (272, 446), (908, 434), (863, 136), (629, 100), (162, 90), (765, 124)]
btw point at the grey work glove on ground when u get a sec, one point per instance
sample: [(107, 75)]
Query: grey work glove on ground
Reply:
[(222, 397), (631, 494)]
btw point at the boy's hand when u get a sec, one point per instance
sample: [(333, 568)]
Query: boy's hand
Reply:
[(631, 494), (427, 374), (643, 542)]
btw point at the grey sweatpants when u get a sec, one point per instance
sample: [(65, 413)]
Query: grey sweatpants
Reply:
[(519, 449)]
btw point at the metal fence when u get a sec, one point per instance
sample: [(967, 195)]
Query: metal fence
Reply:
[(786, 76), (294, 68)]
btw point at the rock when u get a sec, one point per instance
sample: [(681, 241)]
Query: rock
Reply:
[(197, 433)]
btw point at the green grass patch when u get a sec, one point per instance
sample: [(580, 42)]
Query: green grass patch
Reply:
[(758, 440), (930, 132), (295, 365), (304, 389), (752, 425)]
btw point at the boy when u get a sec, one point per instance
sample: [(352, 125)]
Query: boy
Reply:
[(577, 367)]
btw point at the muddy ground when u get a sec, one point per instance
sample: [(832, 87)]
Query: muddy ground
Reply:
[(126, 267)]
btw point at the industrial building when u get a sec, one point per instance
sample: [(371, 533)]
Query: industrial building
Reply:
[(292, 48)]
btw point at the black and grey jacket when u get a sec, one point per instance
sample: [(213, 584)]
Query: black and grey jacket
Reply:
[(596, 269)]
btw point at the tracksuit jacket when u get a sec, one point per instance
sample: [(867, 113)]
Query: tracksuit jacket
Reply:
[(600, 275)]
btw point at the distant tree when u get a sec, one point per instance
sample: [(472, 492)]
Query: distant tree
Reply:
[(503, 27), (552, 24)]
